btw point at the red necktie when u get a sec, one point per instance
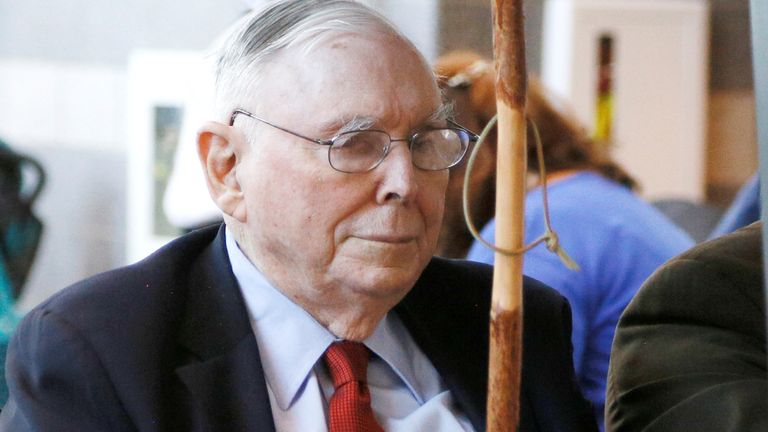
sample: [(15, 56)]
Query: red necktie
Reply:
[(350, 406)]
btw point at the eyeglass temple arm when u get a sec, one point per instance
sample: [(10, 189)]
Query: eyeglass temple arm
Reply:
[(472, 136), (246, 113)]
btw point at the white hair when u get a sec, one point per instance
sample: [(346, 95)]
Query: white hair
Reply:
[(297, 25)]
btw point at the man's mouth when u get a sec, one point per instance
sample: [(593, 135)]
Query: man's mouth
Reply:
[(389, 238)]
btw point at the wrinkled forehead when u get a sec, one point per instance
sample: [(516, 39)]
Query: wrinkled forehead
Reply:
[(383, 78), (292, 24)]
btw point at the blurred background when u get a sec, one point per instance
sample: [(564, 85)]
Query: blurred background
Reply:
[(95, 91)]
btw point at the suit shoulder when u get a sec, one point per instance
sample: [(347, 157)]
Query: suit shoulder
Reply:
[(475, 279), (691, 344), (156, 279), (450, 269), (737, 251), (724, 271)]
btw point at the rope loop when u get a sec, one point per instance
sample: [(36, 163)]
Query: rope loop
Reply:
[(550, 235)]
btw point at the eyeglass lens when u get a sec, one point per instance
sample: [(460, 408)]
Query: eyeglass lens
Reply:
[(435, 149)]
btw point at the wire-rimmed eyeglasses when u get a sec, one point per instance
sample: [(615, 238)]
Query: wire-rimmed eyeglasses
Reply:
[(432, 148)]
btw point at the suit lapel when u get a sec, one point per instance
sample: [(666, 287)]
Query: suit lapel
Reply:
[(447, 314), (230, 389), (452, 335), (223, 372)]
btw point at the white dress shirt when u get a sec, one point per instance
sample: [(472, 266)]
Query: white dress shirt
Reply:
[(407, 393)]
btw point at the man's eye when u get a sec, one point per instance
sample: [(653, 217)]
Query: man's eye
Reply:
[(351, 141)]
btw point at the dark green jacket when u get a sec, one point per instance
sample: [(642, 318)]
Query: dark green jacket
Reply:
[(690, 352)]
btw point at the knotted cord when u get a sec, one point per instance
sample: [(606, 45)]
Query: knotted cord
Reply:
[(550, 235)]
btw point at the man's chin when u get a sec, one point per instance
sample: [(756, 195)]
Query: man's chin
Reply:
[(376, 263), (354, 330), (385, 282)]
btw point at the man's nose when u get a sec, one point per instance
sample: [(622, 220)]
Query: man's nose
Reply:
[(398, 175)]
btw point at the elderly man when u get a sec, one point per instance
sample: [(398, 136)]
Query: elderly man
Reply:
[(318, 305)]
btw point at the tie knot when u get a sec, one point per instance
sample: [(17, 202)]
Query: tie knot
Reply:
[(347, 361)]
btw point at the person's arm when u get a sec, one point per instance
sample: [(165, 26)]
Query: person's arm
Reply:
[(56, 381), (689, 352)]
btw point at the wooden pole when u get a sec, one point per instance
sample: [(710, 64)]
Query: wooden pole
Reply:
[(507, 304)]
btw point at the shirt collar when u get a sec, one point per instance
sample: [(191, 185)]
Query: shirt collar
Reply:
[(291, 341), (392, 343)]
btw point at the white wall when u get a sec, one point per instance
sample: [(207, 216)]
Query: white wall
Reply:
[(660, 83), (63, 97), (416, 19)]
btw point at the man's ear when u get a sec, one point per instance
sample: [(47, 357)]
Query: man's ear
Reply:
[(218, 147)]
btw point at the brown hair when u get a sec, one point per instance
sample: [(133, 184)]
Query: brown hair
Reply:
[(567, 145)]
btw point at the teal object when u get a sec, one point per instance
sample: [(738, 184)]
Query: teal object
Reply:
[(21, 180), (9, 318)]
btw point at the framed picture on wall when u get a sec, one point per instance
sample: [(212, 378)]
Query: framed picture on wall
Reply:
[(159, 87)]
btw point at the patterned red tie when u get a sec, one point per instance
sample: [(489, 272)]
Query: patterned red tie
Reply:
[(350, 406)]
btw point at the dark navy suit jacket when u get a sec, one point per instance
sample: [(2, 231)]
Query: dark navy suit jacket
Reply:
[(166, 345)]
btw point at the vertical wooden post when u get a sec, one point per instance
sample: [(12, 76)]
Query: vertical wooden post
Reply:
[(507, 306)]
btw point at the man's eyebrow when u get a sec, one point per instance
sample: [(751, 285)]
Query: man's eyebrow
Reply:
[(443, 113), (362, 122), (358, 122)]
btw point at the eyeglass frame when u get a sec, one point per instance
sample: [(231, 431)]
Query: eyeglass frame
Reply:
[(473, 137)]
